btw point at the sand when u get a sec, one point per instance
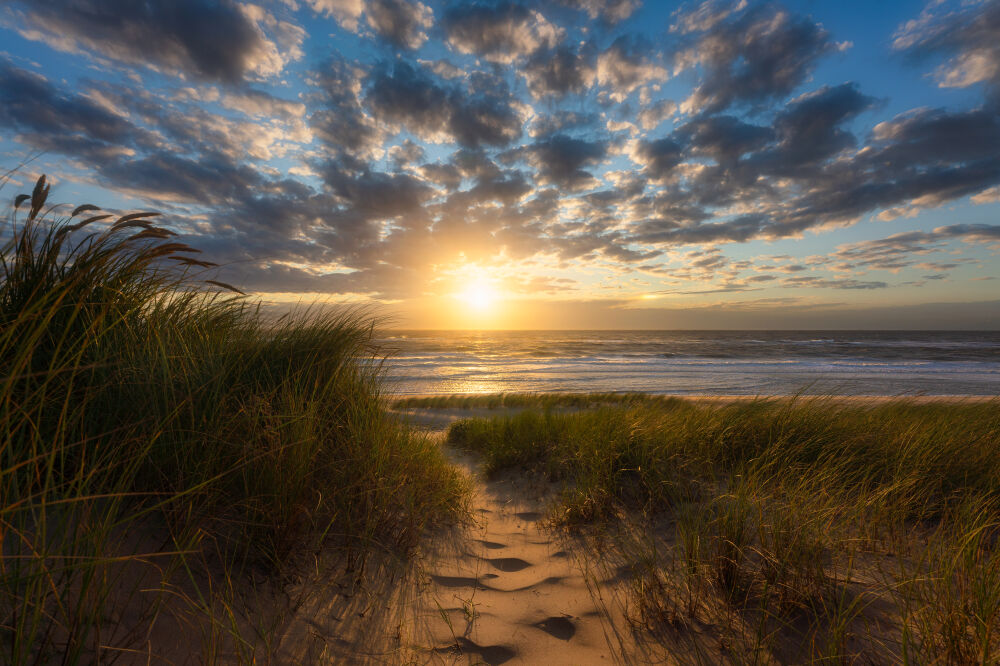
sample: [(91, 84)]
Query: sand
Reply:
[(513, 592)]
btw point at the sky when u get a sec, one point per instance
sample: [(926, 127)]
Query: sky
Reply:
[(593, 164)]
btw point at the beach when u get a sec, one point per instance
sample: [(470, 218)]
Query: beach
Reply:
[(482, 332)]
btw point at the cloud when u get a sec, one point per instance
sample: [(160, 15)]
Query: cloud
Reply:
[(345, 12), (901, 250), (400, 22), (705, 16), (992, 195), (824, 283), (49, 119), (928, 157), (501, 31), (506, 188), (804, 171), (659, 157), (625, 65), (447, 176), (339, 118), (560, 71), (751, 57), (723, 138), (435, 111), (740, 229), (610, 11), (936, 135), (969, 37), (193, 129), (262, 104), (209, 40), (374, 195), (443, 68), (652, 115), (406, 153), (207, 180), (561, 121), (559, 160), (809, 127)]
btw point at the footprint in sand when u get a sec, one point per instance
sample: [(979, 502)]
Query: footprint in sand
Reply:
[(558, 626), (509, 564), (492, 545), (491, 654), (551, 580), (461, 581)]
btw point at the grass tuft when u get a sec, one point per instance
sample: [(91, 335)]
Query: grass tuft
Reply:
[(157, 433)]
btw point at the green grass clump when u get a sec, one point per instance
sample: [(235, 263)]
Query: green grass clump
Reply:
[(151, 421), (929, 451), (785, 521)]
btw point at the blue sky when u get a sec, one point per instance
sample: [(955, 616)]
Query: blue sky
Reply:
[(581, 163)]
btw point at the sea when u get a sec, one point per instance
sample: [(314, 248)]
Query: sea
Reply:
[(746, 363)]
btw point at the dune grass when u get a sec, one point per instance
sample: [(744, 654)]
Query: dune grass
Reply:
[(157, 434), (532, 400), (793, 530)]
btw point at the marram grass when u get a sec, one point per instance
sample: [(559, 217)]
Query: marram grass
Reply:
[(789, 530), (150, 420), (533, 400)]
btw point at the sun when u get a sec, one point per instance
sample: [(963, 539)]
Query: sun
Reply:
[(480, 296)]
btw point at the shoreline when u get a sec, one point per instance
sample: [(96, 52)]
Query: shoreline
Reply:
[(713, 397)]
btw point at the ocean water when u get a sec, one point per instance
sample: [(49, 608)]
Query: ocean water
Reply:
[(695, 362)]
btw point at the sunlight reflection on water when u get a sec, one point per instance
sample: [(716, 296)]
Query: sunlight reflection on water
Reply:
[(692, 363), (477, 385)]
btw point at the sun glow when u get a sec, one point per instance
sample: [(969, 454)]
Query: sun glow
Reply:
[(480, 296)]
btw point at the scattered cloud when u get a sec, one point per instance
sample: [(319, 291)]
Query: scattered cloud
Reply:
[(560, 71), (501, 32), (626, 65), (969, 37), (536, 139), (611, 11), (749, 56), (400, 22), (221, 41), (346, 12), (482, 113)]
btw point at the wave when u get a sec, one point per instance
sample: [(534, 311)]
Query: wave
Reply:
[(855, 363)]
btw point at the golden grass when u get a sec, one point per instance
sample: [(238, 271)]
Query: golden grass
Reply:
[(160, 445), (793, 530)]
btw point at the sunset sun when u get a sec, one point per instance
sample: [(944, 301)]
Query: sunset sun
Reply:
[(480, 296)]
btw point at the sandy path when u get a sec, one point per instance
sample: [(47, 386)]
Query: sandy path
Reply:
[(510, 592)]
